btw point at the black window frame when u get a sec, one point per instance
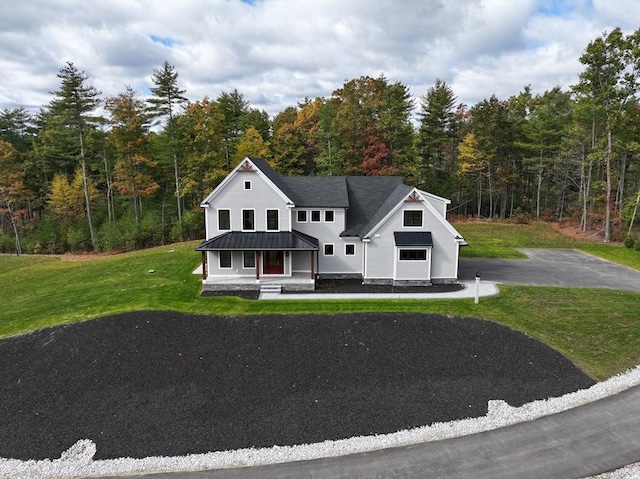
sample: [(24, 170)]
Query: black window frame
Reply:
[(277, 220), (409, 218), (226, 254), (251, 255), (245, 219), (351, 246), (302, 216), (228, 220), (328, 213), (328, 249), (315, 214), (412, 254)]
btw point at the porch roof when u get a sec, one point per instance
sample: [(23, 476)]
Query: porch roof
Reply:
[(261, 240), (413, 238)]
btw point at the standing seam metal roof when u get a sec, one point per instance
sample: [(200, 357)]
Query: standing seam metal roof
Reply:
[(258, 240)]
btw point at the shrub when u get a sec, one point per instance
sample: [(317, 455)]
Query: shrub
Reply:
[(628, 241)]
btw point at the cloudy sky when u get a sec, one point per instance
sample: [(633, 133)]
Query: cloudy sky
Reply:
[(276, 52)]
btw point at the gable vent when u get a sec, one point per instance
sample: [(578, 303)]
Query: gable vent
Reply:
[(413, 198), (247, 168)]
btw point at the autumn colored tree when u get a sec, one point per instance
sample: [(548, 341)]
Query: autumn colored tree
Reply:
[(129, 135), (11, 189)]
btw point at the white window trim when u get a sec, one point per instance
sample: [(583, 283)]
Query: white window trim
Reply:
[(245, 183), (306, 216), (266, 219), (311, 220), (218, 218), (325, 216), (421, 219), (220, 259), (324, 249), (354, 249), (426, 255), (242, 218), (252, 254)]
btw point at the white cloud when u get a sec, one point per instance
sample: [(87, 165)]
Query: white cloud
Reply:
[(276, 52)]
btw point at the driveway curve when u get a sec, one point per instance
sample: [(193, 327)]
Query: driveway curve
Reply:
[(553, 267), (580, 442)]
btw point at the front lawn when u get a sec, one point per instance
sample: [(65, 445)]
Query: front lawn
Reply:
[(598, 329)]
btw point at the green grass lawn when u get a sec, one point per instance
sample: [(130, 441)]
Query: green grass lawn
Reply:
[(597, 329)]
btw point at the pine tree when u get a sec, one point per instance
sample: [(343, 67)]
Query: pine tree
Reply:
[(73, 104), (166, 97)]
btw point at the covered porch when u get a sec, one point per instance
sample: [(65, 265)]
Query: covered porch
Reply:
[(267, 261)]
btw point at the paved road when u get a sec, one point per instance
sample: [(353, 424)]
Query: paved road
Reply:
[(598, 437), (553, 267)]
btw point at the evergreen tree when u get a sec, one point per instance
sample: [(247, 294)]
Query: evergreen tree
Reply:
[(73, 106), (167, 96)]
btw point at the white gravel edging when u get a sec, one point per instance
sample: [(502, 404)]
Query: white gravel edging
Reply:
[(78, 461)]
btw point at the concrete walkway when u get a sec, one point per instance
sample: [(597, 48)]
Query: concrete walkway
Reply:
[(485, 288)]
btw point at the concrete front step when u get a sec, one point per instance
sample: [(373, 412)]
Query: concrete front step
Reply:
[(271, 288)]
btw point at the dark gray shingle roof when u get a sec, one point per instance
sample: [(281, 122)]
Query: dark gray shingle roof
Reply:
[(318, 191), (368, 199)]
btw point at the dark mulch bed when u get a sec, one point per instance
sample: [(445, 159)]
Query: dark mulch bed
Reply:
[(356, 286), (161, 383)]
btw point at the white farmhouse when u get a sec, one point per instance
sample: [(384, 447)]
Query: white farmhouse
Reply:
[(287, 231)]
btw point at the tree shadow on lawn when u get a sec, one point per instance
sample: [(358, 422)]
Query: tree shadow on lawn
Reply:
[(160, 383)]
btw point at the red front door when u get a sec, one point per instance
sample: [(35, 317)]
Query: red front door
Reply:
[(273, 262)]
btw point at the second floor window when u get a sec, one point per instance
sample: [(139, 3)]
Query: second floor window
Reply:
[(272, 220), (328, 216), (302, 216), (248, 223), (412, 218), (224, 220), (315, 216)]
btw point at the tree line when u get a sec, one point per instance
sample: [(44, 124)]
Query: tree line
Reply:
[(88, 173)]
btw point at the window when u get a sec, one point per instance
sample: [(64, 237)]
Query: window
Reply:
[(224, 220), (412, 218), (225, 259), (272, 220), (248, 223), (328, 216), (328, 249), (413, 255), (349, 249), (315, 216), (247, 185), (302, 216), (249, 260)]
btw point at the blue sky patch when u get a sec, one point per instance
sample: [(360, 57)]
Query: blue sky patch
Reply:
[(166, 41)]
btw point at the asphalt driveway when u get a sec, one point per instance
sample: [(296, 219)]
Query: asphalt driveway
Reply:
[(553, 267)]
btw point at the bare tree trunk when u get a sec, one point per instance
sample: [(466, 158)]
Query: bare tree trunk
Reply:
[(633, 216), (15, 230), (607, 214), (87, 199)]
